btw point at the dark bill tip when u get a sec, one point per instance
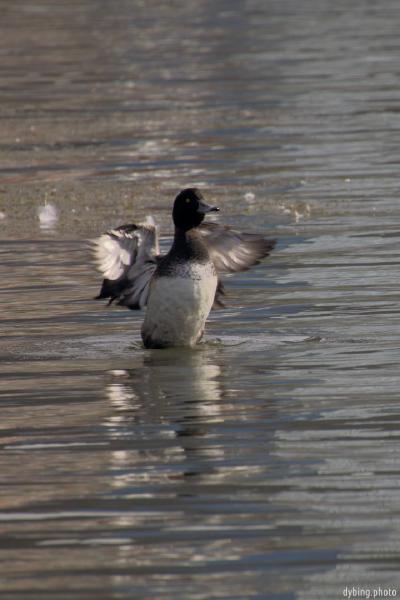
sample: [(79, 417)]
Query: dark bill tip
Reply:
[(206, 208)]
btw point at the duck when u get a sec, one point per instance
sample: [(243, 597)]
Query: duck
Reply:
[(177, 289)]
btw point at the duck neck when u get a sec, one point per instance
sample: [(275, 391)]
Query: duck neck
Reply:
[(183, 234), (183, 237), (188, 244)]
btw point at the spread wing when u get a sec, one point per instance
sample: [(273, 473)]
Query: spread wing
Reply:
[(127, 258), (232, 250)]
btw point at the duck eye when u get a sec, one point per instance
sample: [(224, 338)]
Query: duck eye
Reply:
[(187, 200)]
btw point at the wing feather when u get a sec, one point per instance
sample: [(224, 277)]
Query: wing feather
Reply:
[(127, 258), (232, 250)]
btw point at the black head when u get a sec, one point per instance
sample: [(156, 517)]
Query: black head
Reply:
[(190, 209)]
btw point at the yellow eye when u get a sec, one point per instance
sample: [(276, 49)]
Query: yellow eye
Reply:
[(187, 200)]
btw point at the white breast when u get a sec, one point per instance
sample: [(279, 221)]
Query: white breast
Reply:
[(178, 307)]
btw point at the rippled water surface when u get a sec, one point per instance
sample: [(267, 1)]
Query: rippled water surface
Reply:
[(264, 463)]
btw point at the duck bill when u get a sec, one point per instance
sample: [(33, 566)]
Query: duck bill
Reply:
[(206, 208)]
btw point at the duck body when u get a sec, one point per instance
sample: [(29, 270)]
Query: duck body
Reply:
[(181, 294), (180, 288)]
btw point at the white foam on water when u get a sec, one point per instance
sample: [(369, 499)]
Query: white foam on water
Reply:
[(48, 215)]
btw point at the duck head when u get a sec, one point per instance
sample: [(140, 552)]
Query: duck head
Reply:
[(190, 209)]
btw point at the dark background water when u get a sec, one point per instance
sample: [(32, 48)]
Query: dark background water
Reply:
[(264, 463)]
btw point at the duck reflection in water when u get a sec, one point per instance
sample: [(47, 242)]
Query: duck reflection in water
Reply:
[(175, 395)]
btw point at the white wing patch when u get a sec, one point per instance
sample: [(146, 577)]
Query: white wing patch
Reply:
[(127, 258), (114, 252)]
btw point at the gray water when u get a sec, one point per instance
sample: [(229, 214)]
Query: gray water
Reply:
[(264, 463)]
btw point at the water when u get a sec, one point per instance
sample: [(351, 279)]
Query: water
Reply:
[(264, 463)]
